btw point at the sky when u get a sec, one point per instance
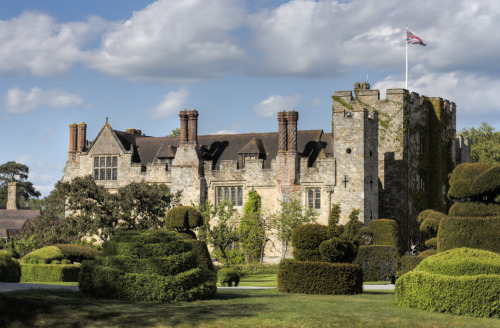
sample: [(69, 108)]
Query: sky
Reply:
[(139, 62)]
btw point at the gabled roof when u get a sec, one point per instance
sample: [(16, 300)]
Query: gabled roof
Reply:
[(254, 146)]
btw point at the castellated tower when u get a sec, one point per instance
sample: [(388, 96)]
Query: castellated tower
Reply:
[(355, 132)]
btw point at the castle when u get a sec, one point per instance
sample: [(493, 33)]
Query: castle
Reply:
[(378, 158)]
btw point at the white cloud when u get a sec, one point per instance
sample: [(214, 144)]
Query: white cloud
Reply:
[(34, 43), (171, 104), (173, 40), (225, 132), (18, 101), (275, 103)]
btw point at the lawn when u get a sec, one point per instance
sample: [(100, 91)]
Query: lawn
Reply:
[(231, 308)]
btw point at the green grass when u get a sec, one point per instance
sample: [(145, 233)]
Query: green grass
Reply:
[(231, 308), (57, 283), (261, 280)]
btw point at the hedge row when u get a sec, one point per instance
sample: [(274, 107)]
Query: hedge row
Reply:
[(385, 232), (306, 254), (106, 282), (142, 250), (474, 209), (77, 253), (44, 255), (10, 270), (319, 278), (377, 261), (406, 263), (473, 232), (337, 250), (49, 272)]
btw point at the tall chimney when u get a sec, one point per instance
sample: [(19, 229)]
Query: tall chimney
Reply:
[(12, 196), (193, 126), (184, 127), (72, 141), (82, 136), (282, 135), (292, 117)]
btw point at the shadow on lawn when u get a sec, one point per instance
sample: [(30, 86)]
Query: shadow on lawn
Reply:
[(67, 308)]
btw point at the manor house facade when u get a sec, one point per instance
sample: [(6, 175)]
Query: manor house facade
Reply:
[(350, 166)]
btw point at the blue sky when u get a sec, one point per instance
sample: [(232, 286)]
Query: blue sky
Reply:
[(238, 63)]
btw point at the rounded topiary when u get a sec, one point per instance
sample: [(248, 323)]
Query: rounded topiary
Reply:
[(228, 276), (474, 209), (300, 254), (337, 250), (158, 266), (309, 236), (183, 218), (10, 270), (365, 236), (430, 224), (431, 243), (77, 253), (468, 281), (488, 183), (468, 172), (385, 232), (44, 255)]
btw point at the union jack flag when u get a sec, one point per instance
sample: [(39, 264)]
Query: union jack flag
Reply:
[(413, 39)]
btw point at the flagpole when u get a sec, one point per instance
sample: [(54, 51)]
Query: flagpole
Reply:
[(406, 58)]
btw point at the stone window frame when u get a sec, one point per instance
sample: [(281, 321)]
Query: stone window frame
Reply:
[(105, 167), (313, 197), (234, 193)]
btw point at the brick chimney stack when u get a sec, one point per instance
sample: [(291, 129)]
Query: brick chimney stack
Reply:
[(193, 126), (292, 118), (184, 127), (81, 136), (12, 196), (282, 134), (72, 141)]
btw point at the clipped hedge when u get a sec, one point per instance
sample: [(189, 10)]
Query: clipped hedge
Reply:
[(377, 261), (319, 278), (49, 272), (385, 232), (157, 266), (200, 246), (337, 250), (406, 263), (430, 224), (468, 172), (306, 254), (10, 270), (183, 218), (309, 236), (431, 243), (77, 253), (228, 276), (473, 232), (44, 255), (474, 209), (488, 183), (459, 281)]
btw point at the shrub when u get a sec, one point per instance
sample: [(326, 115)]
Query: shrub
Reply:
[(431, 243), (377, 261), (77, 253), (182, 218), (319, 278), (385, 232), (468, 172), (309, 236), (228, 276), (352, 226), (421, 217), (10, 270), (406, 263), (430, 224), (200, 246), (337, 250), (43, 255), (365, 236), (474, 209), (459, 281), (49, 272), (473, 232), (306, 254), (428, 252), (488, 183), (157, 266), (333, 221)]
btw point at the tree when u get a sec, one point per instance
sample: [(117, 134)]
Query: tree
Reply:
[(291, 215), (333, 221), (253, 229), (485, 143), (16, 172), (175, 133)]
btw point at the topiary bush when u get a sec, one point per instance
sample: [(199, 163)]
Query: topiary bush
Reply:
[(487, 184), (200, 246), (468, 172), (77, 253), (459, 281), (10, 270), (337, 250), (306, 240), (158, 266), (49, 272), (377, 261), (476, 209), (472, 232), (319, 278), (183, 218), (43, 255), (228, 276), (385, 232)]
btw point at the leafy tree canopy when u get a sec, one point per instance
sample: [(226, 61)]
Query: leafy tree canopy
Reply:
[(16, 172), (175, 133), (485, 143)]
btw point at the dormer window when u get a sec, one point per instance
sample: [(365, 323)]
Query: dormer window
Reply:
[(105, 168)]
